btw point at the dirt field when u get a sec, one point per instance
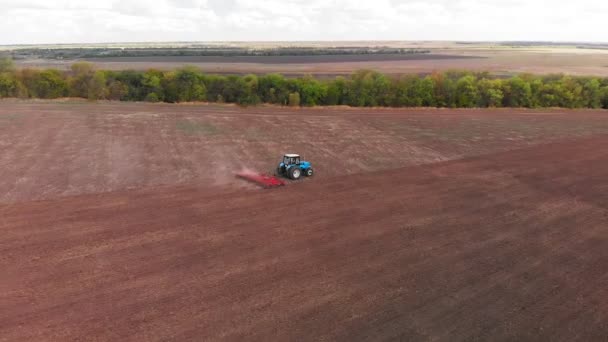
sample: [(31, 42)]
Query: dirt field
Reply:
[(61, 149), (438, 225), (504, 247), (312, 59), (444, 56)]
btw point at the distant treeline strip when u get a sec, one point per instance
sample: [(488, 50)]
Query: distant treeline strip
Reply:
[(456, 89), (75, 53)]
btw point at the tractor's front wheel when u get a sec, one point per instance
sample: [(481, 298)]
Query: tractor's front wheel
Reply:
[(279, 173), (309, 172), (295, 173)]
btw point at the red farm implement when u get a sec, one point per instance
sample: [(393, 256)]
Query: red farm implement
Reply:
[(262, 180)]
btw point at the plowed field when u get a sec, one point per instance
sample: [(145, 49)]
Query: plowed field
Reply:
[(421, 224), (62, 149)]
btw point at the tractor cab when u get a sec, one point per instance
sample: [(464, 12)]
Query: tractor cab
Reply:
[(293, 167), (291, 159)]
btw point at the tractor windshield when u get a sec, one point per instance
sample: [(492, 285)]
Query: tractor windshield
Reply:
[(291, 160)]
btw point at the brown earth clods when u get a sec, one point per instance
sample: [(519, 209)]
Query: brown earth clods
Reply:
[(495, 243)]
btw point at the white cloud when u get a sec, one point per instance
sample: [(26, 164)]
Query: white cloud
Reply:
[(43, 21)]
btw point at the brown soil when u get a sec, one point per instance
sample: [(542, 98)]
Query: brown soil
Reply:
[(61, 149), (510, 246), (144, 235)]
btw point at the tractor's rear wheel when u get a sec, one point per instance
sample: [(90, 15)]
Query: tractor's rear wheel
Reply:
[(309, 172), (295, 173)]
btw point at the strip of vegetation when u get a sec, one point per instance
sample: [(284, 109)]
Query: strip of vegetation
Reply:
[(75, 53), (553, 44), (456, 89)]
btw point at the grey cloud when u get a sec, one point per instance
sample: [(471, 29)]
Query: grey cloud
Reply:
[(188, 4), (222, 7), (130, 20)]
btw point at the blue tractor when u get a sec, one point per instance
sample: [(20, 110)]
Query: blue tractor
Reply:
[(293, 168)]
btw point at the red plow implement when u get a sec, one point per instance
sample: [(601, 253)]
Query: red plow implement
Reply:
[(260, 179)]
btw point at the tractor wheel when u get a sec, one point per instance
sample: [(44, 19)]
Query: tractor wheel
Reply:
[(295, 173), (279, 173), (309, 172)]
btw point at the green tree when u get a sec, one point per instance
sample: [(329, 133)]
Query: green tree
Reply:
[(491, 94), (6, 65), (359, 89), (592, 93), (8, 84), (152, 83), (50, 84), (232, 88), (571, 93), (467, 94), (312, 92), (248, 90), (96, 87), (362, 88), (518, 93), (336, 91), (273, 88), (562, 92), (381, 90), (44, 84), (604, 97), (537, 86), (549, 94), (169, 86), (215, 85), (368, 88), (444, 90), (133, 80), (152, 97), (412, 91), (189, 85), (425, 91), (403, 94), (294, 99)]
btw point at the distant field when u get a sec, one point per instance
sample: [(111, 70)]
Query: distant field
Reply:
[(277, 59), (493, 57), (498, 62)]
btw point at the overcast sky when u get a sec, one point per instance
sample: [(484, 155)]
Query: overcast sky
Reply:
[(83, 21)]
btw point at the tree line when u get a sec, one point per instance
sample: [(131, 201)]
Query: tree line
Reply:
[(203, 51), (365, 88)]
